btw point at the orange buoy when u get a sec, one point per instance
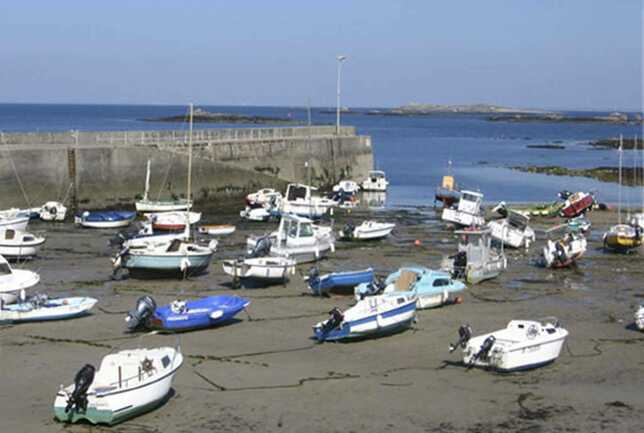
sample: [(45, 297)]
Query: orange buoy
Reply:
[(417, 242)]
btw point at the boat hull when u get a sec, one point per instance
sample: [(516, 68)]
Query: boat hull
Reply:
[(78, 307), (264, 269), (199, 314), (163, 264), (161, 206), (325, 283), (18, 223), (461, 218)]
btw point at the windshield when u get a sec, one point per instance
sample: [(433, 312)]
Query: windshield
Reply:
[(5, 269), (306, 230)]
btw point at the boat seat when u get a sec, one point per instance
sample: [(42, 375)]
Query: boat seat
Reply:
[(405, 281)]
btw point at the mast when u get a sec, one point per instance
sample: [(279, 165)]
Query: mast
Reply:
[(642, 186), (619, 191), (147, 183), (189, 192)]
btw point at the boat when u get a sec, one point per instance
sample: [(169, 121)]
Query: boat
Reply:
[(374, 199), (53, 211), (169, 221), (468, 211), (563, 247), (375, 181), (370, 317), (297, 238), (321, 285), (126, 384), (146, 235), (431, 288), (576, 204), (368, 230), (639, 318), (185, 315), (546, 209), (580, 224), (13, 221), (262, 197), (346, 187), (261, 214), (14, 281), (447, 193), (521, 345), (513, 230), (16, 244), (41, 308), (301, 201), (145, 205), (216, 229), (105, 219), (264, 269), (476, 259)]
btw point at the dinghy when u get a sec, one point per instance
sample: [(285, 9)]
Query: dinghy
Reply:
[(105, 219), (301, 201), (522, 345), (563, 249), (260, 268), (321, 285), (468, 211), (513, 230), (53, 211), (146, 205), (127, 383), (476, 259), (169, 221), (370, 317), (41, 308), (375, 181), (13, 281), (430, 288), (368, 230), (216, 229), (185, 315), (639, 318), (575, 204), (16, 244)]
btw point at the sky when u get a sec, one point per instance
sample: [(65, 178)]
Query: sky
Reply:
[(559, 54)]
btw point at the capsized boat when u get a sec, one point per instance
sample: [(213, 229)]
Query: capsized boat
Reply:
[(476, 260), (431, 288), (41, 308), (321, 285), (216, 229), (173, 220), (522, 345), (13, 281), (468, 211), (576, 204), (146, 205), (16, 244), (513, 230), (639, 318), (105, 219), (126, 384), (563, 247), (375, 181), (184, 315), (53, 211), (367, 230), (301, 201), (370, 317), (623, 238)]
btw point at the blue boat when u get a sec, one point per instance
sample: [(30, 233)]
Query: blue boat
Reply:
[(105, 219), (185, 315), (432, 288), (321, 285)]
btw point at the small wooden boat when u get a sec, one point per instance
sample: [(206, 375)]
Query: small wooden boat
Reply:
[(105, 219), (41, 308), (216, 229), (127, 383), (321, 285), (521, 345), (173, 220), (368, 230), (15, 244), (13, 281)]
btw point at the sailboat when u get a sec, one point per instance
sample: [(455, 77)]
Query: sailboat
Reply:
[(623, 238), (174, 256), (147, 205)]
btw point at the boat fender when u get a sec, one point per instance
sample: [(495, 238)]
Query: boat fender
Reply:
[(464, 335), (185, 264), (82, 381), (216, 314), (212, 245)]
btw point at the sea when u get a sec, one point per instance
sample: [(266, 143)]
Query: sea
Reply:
[(414, 151)]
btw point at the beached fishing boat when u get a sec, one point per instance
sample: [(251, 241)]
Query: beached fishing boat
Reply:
[(321, 285), (169, 221), (575, 204), (431, 288), (375, 181), (16, 244), (300, 201), (13, 281), (367, 230), (370, 317), (105, 219), (262, 269), (184, 315), (126, 384), (513, 230), (476, 259), (447, 193), (216, 229), (53, 211), (39, 308), (563, 247), (522, 345), (146, 205), (468, 211), (639, 318)]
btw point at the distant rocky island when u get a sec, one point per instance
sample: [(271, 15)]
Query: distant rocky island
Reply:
[(613, 143), (630, 176), (203, 116), (618, 118), (416, 109)]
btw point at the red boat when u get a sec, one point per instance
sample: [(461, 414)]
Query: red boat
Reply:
[(576, 204)]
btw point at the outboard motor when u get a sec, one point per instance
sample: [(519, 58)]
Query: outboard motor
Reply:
[(484, 351), (348, 229), (464, 335), (262, 247), (564, 194), (78, 400), (459, 264), (334, 321), (145, 308)]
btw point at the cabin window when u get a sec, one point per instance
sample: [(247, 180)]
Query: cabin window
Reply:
[(9, 234), (5, 269), (306, 230), (292, 230), (400, 300), (469, 197), (165, 361), (440, 282)]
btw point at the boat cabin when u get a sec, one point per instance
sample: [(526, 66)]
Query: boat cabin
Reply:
[(470, 202), (298, 191), (294, 227)]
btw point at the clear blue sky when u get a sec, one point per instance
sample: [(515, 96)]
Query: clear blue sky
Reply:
[(528, 53)]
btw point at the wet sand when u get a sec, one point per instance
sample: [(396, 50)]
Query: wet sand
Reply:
[(263, 373)]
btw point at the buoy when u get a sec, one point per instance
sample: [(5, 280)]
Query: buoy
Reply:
[(417, 242)]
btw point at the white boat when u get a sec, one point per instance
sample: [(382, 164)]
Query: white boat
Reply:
[(13, 281), (513, 230), (371, 316), (53, 211), (13, 221), (297, 238), (375, 181), (300, 201), (522, 345), (563, 249), (639, 318), (263, 197), (19, 244), (147, 236), (476, 259), (260, 268), (258, 214), (346, 187), (216, 229), (126, 384), (468, 211), (40, 308), (146, 205), (172, 220), (368, 230)]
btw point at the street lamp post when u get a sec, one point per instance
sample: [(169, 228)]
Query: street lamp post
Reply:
[(337, 112)]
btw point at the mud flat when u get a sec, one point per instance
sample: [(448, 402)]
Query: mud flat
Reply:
[(264, 373), (630, 176)]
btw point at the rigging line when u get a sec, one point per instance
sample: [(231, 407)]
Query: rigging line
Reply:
[(15, 172)]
